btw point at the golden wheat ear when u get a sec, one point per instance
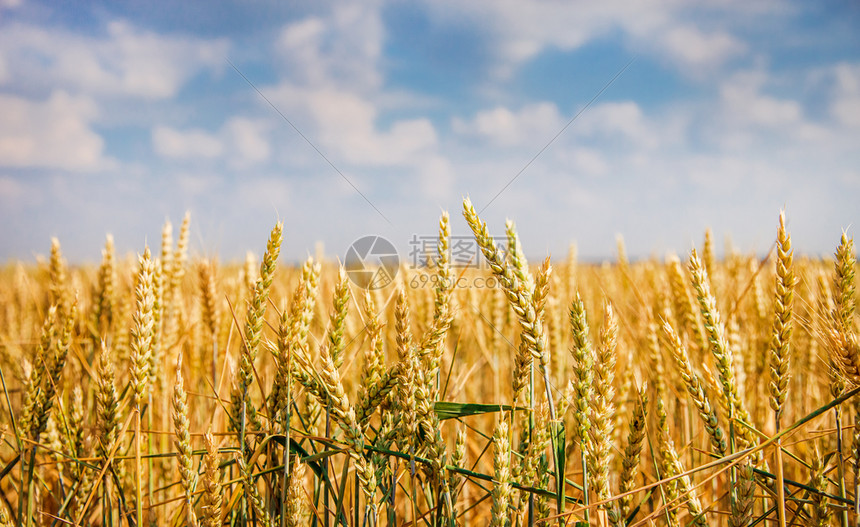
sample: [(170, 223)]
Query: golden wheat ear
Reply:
[(843, 343)]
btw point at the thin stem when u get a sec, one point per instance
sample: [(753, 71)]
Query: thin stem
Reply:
[(780, 479), (137, 463), (531, 503), (150, 484), (843, 516), (585, 500), (30, 486), (287, 418), (325, 466)]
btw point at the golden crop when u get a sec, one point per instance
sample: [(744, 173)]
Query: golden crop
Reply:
[(173, 391)]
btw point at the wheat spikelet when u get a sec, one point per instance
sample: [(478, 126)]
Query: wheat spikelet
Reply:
[(142, 330), (541, 286), (183, 441), (257, 309), (374, 358), (105, 293), (630, 461), (209, 311), (157, 322), (583, 360), (782, 324), (709, 257), (821, 511), (501, 476), (843, 283), (522, 362), (249, 273), (57, 270), (296, 501), (720, 349), (337, 318), (743, 505), (211, 501), (243, 412), (293, 332), (684, 305), (432, 345), (697, 393), (107, 404), (370, 399), (56, 363), (76, 421), (33, 393), (403, 333), (714, 327), (173, 279), (252, 493), (843, 341), (458, 459), (683, 486), (4, 517), (517, 258), (516, 291), (599, 447)]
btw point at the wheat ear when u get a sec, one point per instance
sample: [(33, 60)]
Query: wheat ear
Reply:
[(635, 439), (720, 348), (183, 441), (779, 347), (103, 310), (696, 391), (602, 406), (211, 501), (296, 499), (842, 335), (502, 475)]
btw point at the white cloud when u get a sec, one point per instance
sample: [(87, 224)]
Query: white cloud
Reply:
[(127, 61), (503, 126), (333, 92), (54, 133), (623, 119), (342, 48), (539, 122), (520, 31), (345, 125), (246, 139), (744, 104), (688, 46), (845, 107), (586, 161), (188, 144), (240, 141)]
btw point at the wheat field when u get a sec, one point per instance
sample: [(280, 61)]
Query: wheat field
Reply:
[(168, 389)]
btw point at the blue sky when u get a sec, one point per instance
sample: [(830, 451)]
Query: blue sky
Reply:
[(117, 115)]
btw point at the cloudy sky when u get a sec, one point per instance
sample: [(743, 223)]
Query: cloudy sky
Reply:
[(344, 119)]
